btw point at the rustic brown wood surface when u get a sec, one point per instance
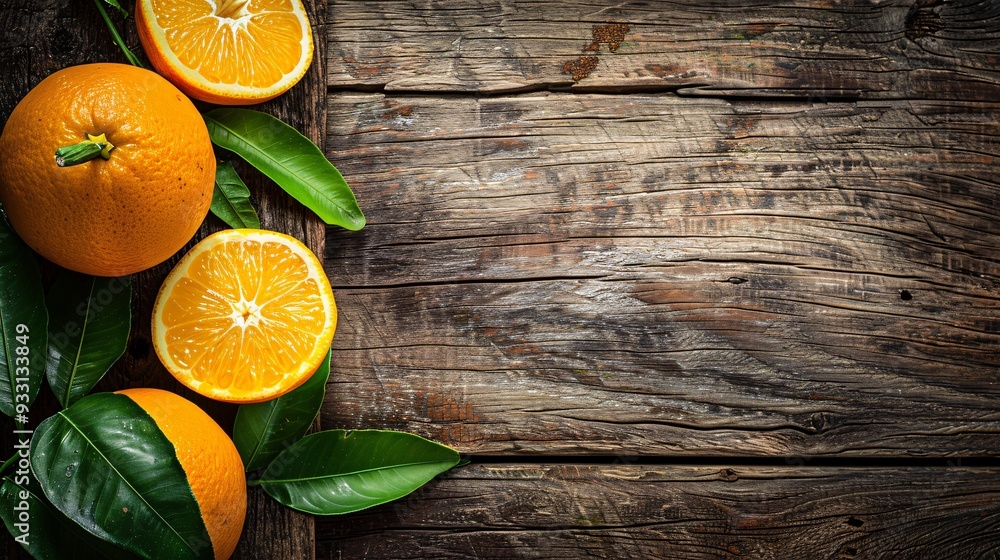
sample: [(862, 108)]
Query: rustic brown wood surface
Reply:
[(826, 48), (681, 279), (648, 274), (679, 512)]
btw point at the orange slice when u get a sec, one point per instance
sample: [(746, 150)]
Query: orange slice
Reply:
[(246, 316), (230, 52)]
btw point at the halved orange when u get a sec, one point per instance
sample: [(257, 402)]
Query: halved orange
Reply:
[(230, 52), (246, 316)]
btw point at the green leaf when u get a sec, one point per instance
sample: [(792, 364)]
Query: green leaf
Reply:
[(290, 160), (263, 430), (89, 320), (23, 321), (133, 60), (105, 464), (335, 471), (231, 199), (43, 531)]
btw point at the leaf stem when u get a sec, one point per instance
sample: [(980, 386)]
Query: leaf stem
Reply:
[(134, 60), (6, 464)]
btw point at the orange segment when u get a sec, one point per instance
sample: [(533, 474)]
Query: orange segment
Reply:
[(231, 52), (247, 315)]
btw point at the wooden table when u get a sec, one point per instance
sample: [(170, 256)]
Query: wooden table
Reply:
[(680, 279)]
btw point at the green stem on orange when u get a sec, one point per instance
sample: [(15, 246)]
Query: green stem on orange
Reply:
[(94, 146)]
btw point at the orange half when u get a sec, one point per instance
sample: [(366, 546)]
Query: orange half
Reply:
[(229, 52), (246, 316)]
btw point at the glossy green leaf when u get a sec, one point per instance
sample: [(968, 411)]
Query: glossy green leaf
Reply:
[(290, 160), (44, 531), (263, 430), (23, 321), (335, 471), (231, 199), (105, 464), (89, 321)]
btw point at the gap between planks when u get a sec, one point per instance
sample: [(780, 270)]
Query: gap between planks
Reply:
[(691, 91), (710, 461)]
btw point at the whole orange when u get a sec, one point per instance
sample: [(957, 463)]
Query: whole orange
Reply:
[(210, 460), (114, 216)]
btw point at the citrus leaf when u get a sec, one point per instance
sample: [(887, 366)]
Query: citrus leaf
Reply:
[(46, 533), (23, 321), (104, 463), (89, 320), (263, 430), (290, 160), (335, 471), (231, 199)]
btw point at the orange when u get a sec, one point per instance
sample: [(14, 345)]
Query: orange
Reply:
[(230, 52), (246, 316), (209, 459), (114, 216)]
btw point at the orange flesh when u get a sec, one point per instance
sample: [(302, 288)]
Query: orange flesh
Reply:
[(237, 49), (245, 318)]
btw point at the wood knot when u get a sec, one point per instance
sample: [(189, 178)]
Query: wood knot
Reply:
[(820, 422), (923, 19)]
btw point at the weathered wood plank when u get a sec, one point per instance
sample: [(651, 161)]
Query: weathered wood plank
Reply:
[(820, 48), (649, 274), (41, 37), (273, 530), (685, 512)]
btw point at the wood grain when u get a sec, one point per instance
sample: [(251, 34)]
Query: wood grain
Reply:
[(651, 274), (820, 48), (608, 236), (680, 512)]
